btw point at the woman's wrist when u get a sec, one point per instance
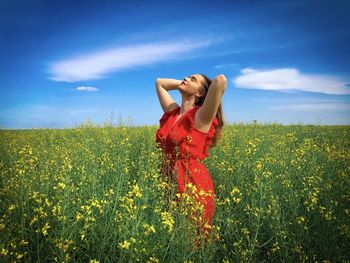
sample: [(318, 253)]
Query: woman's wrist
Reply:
[(168, 83)]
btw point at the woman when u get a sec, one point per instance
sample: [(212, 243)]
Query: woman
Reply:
[(187, 132)]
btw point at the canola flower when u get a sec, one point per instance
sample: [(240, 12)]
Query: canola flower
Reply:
[(167, 221), (45, 229), (149, 229), (127, 243)]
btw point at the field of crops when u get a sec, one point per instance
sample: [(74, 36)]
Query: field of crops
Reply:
[(94, 194)]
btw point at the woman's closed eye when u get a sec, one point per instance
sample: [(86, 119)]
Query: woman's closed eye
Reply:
[(192, 78)]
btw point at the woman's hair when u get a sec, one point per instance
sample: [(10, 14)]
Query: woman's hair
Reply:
[(219, 113)]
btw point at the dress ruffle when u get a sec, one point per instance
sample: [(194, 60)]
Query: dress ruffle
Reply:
[(208, 136), (189, 118), (166, 116)]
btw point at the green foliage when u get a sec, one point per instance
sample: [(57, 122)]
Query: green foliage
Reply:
[(95, 194)]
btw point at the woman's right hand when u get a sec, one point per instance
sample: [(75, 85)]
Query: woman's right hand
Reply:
[(168, 84)]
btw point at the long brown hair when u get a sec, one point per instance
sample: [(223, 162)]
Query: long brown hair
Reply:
[(219, 113)]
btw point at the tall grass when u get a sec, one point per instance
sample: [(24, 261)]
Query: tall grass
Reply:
[(92, 193)]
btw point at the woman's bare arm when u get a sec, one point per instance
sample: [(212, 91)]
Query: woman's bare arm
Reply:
[(162, 87), (206, 113)]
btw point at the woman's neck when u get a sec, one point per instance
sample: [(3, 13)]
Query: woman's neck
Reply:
[(186, 105)]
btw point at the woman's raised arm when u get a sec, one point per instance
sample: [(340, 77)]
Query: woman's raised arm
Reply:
[(206, 113), (162, 87)]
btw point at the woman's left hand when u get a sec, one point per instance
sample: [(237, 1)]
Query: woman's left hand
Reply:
[(221, 77)]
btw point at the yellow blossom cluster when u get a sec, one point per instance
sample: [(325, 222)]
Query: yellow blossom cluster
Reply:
[(127, 243), (148, 229), (167, 221), (236, 195)]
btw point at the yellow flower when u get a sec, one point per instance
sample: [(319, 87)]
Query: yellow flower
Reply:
[(152, 260), (275, 247), (245, 231), (12, 207), (234, 191), (35, 219), (189, 138), (4, 252), (94, 261), (300, 220), (64, 245), (148, 229), (124, 245), (202, 192), (109, 192), (258, 166), (136, 191), (23, 242), (237, 195), (236, 200), (45, 228), (167, 220)]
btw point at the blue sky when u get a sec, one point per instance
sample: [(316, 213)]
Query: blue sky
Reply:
[(63, 62)]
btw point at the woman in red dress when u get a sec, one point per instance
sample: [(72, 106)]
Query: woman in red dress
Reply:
[(185, 135)]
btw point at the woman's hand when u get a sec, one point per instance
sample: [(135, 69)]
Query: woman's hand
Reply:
[(163, 85), (221, 77), (168, 84)]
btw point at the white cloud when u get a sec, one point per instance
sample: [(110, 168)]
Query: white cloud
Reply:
[(286, 79), (312, 107), (97, 65), (83, 88), (226, 65)]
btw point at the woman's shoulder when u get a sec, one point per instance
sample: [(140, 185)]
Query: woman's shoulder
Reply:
[(172, 107), (167, 114)]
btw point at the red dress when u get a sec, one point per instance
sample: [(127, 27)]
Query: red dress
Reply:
[(184, 147)]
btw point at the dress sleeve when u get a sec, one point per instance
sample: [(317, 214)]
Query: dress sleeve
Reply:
[(209, 139), (165, 117), (213, 127)]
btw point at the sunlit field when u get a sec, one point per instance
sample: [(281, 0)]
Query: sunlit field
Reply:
[(95, 194)]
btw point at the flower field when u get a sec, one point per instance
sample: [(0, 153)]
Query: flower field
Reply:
[(95, 194)]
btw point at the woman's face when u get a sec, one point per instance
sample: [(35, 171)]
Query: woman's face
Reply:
[(193, 85)]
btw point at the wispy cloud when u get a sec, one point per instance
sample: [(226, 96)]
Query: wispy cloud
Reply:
[(88, 89), (96, 65), (286, 79), (228, 65), (312, 107)]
